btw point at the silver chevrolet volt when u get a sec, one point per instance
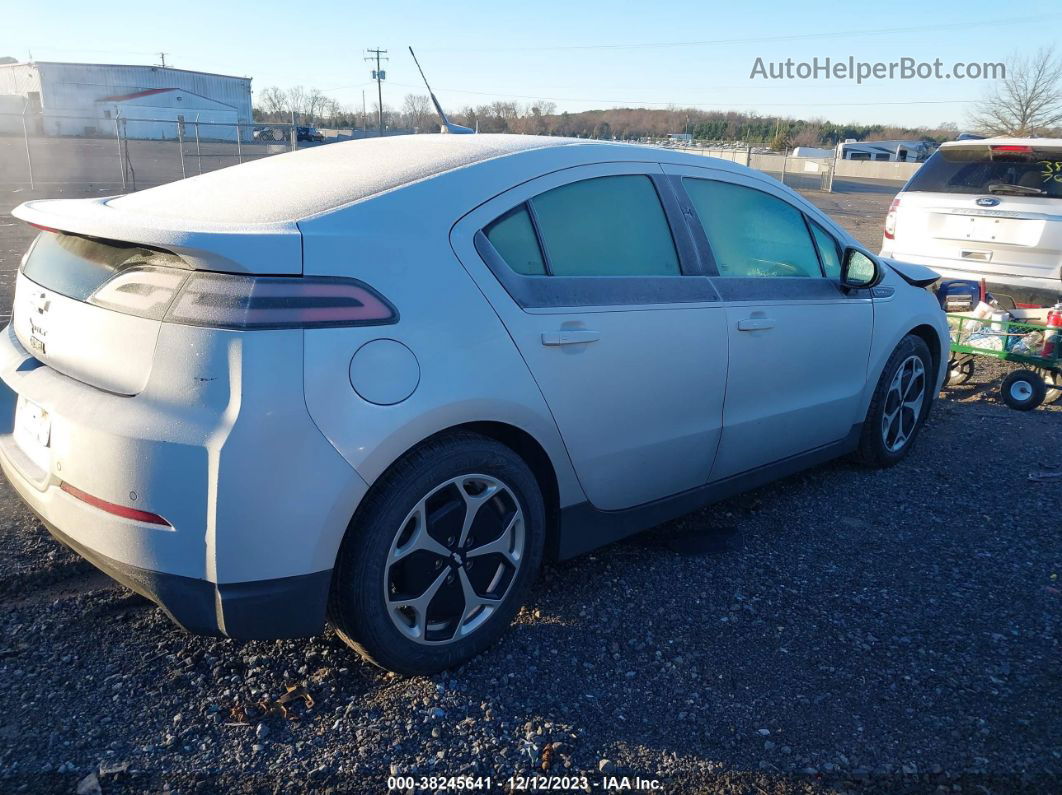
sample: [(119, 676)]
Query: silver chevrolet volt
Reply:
[(377, 382)]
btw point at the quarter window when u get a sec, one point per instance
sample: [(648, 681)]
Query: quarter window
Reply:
[(605, 226), (753, 234), (514, 237), (829, 250)]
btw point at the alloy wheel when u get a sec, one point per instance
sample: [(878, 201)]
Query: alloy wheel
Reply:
[(903, 404), (454, 559)]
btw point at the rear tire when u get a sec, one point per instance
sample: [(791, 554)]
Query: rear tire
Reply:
[(1023, 390), (413, 590), (899, 405)]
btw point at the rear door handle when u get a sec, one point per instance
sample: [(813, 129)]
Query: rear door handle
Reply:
[(573, 336), (755, 324)]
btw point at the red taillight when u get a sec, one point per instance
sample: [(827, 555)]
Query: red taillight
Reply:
[(1011, 148), (110, 507), (46, 228), (229, 301), (890, 220), (269, 302)]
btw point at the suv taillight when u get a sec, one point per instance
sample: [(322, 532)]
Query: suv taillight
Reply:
[(890, 220), (229, 301)]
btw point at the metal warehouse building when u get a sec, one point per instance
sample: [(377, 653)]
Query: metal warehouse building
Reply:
[(84, 99)]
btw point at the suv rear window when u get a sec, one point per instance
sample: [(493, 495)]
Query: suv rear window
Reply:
[(76, 266), (980, 169)]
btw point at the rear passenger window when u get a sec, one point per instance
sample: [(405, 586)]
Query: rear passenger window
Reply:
[(752, 234), (514, 238), (829, 250), (606, 226)]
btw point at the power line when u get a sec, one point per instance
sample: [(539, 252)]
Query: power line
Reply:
[(949, 26), (636, 103)]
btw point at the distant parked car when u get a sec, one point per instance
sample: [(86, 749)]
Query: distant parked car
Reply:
[(308, 134), (379, 380), (267, 134), (986, 209)]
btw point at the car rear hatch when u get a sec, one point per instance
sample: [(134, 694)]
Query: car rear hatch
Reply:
[(997, 209), (96, 284)]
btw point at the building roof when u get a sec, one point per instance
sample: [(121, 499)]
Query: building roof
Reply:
[(122, 66)]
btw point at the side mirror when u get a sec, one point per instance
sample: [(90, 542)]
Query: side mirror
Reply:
[(859, 270)]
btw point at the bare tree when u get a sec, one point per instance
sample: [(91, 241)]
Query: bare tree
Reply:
[(809, 135), (390, 117), (297, 99), (1028, 101), (417, 110), (272, 100), (316, 103)]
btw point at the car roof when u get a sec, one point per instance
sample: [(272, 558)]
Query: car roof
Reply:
[(301, 184), (251, 217), (298, 185), (1004, 141)]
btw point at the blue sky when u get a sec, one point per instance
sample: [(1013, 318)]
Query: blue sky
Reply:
[(579, 54)]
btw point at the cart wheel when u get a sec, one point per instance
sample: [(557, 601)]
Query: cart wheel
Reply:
[(1023, 390), (959, 372), (1054, 386)]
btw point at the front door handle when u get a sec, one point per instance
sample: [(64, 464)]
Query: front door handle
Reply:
[(755, 324), (569, 336)]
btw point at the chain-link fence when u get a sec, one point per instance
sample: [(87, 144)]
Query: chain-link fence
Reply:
[(127, 154), (122, 154), (800, 173)]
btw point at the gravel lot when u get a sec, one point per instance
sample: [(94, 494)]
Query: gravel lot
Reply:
[(842, 630)]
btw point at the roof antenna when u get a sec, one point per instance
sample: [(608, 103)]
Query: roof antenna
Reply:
[(447, 125)]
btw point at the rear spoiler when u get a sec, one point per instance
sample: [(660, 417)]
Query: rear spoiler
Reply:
[(273, 248)]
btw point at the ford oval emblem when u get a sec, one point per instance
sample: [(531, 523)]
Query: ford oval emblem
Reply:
[(987, 201)]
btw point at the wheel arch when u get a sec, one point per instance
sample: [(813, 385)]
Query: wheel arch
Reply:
[(535, 456), (931, 338), (521, 442)]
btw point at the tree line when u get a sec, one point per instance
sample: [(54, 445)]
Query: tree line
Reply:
[(416, 114), (1027, 102)]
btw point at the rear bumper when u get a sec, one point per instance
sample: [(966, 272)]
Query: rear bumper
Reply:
[(221, 446), (1039, 291), (288, 607)]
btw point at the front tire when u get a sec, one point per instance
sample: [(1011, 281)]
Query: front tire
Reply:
[(899, 406), (440, 555)]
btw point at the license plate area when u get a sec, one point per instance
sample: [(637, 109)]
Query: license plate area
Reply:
[(981, 229), (33, 432)]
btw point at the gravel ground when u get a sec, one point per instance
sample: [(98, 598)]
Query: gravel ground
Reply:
[(842, 630)]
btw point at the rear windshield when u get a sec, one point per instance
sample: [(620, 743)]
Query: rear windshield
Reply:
[(979, 169), (76, 266)]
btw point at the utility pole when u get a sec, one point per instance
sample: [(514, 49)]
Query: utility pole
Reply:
[(364, 115), (162, 56), (379, 76)]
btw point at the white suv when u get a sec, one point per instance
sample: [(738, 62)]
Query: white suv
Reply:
[(988, 209)]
